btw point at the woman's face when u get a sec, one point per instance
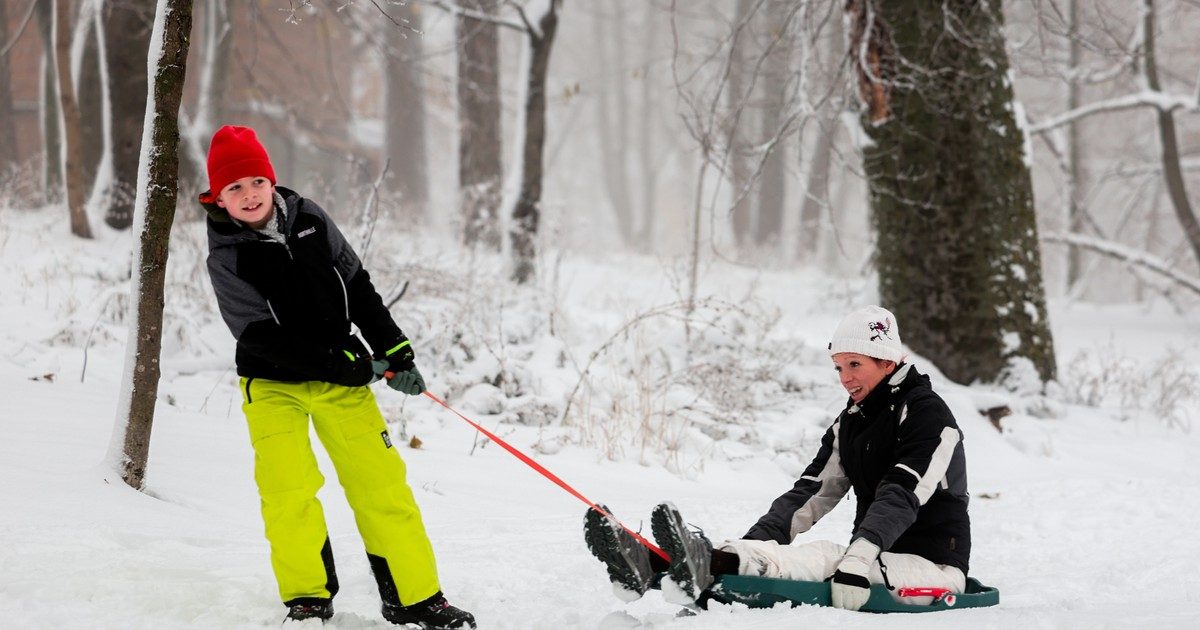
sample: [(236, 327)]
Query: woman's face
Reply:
[(860, 373)]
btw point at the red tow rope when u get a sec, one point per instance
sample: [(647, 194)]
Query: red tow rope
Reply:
[(549, 475)]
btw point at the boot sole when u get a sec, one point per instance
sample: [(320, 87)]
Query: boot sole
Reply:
[(604, 541), (669, 531)]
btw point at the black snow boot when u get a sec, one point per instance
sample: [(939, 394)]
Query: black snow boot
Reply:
[(310, 608), (434, 613), (627, 560), (690, 551)]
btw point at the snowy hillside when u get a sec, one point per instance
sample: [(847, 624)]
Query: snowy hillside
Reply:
[(1083, 516)]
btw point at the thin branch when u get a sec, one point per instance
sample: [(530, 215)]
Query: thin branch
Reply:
[(457, 10), (1135, 258), (1158, 100), (370, 213), (394, 20), (20, 29)]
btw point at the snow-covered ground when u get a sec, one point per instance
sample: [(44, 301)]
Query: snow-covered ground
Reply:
[(1084, 517)]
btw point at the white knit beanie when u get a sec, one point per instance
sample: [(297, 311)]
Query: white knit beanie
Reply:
[(870, 330)]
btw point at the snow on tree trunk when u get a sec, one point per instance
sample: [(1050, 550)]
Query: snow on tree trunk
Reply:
[(406, 110), (523, 228), (950, 190), (154, 211), (480, 167), (127, 37), (73, 172)]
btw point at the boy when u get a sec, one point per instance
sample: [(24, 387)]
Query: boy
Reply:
[(896, 443), (289, 287)]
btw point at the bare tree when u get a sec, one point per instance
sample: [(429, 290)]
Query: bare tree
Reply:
[(538, 21), (738, 124), (648, 167), (89, 93), (951, 195), (52, 175), (405, 117), (526, 213), (1129, 76), (776, 99), (74, 175), (613, 128), (154, 213), (127, 37), (829, 78), (480, 167), (1169, 144), (8, 131)]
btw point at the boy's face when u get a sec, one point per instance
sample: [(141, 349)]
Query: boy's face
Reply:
[(250, 200)]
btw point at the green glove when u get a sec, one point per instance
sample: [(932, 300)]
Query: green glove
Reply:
[(379, 368), (408, 381)]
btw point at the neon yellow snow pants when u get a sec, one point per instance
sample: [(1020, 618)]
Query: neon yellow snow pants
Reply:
[(351, 428)]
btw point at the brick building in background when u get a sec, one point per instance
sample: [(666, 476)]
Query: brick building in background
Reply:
[(309, 81)]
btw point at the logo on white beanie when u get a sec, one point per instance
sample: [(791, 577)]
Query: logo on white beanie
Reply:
[(871, 331)]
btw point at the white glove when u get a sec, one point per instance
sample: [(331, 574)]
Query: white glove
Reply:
[(851, 588)]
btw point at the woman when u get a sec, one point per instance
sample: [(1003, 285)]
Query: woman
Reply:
[(896, 443)]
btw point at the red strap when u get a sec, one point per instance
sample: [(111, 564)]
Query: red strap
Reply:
[(549, 475), (923, 591)]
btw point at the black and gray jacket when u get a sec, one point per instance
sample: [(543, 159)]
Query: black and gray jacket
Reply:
[(902, 452), (290, 304)]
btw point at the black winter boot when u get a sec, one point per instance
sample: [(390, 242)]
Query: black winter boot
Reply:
[(310, 608), (434, 613), (627, 560), (690, 551)]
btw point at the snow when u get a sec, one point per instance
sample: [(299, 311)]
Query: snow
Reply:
[(1080, 518)]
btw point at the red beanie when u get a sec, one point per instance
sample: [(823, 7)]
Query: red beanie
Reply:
[(234, 153)]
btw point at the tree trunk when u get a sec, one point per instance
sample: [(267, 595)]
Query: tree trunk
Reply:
[(127, 39), (742, 212), (91, 100), (524, 228), (773, 188), (52, 176), (406, 110), (71, 121), (950, 192), (816, 189), (480, 168), (1074, 175), (612, 134), (8, 130), (1172, 172), (648, 169), (155, 211)]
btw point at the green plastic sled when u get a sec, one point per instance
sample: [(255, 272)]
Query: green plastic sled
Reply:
[(761, 592)]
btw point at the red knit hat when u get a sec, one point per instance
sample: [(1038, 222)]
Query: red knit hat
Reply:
[(234, 153)]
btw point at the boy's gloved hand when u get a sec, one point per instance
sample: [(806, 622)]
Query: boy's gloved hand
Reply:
[(409, 381), (851, 588), (402, 374), (379, 368), (349, 371)]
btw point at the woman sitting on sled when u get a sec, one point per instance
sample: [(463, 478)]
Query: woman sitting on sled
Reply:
[(896, 443)]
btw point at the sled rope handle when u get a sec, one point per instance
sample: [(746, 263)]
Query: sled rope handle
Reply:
[(549, 475)]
